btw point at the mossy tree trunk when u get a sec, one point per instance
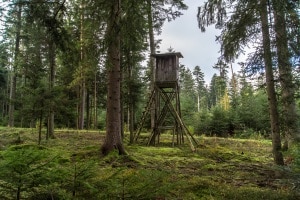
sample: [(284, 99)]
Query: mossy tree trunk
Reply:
[(113, 139)]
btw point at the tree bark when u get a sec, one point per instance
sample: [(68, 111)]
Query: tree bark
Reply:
[(130, 101), (95, 114), (40, 126), (51, 86), (82, 87), (151, 59), (121, 104), (290, 122), (113, 138), (274, 116), (13, 84)]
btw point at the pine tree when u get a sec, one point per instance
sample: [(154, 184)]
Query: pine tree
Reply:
[(113, 138), (237, 31), (200, 88), (13, 82), (131, 58), (276, 141), (289, 124)]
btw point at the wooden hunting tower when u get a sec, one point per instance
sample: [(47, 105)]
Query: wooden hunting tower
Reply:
[(166, 70), (165, 101)]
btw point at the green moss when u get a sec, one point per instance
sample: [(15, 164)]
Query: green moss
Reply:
[(221, 168)]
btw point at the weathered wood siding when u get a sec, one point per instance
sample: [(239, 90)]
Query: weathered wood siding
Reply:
[(167, 68)]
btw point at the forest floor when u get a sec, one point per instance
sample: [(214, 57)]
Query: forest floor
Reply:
[(221, 168)]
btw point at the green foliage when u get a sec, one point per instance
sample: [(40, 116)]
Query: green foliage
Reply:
[(187, 103), (70, 167), (249, 118), (39, 172), (128, 183), (27, 169), (219, 122), (294, 152), (216, 122), (3, 79), (80, 180), (102, 119), (253, 111), (249, 134), (202, 121)]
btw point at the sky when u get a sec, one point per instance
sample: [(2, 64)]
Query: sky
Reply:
[(197, 48)]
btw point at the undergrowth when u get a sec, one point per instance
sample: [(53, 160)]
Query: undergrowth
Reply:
[(71, 167)]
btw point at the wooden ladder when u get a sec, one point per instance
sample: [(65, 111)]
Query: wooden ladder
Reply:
[(144, 115)]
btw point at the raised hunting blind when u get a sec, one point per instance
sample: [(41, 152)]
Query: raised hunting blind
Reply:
[(164, 102), (167, 69)]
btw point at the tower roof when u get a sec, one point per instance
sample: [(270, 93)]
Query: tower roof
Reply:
[(178, 54)]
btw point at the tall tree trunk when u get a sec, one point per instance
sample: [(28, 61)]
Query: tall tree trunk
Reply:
[(13, 84), (19, 191), (151, 59), (274, 117), (82, 93), (40, 125), (82, 96), (234, 86), (88, 113), (130, 100), (95, 118), (122, 102), (5, 104), (113, 138), (51, 86), (290, 122)]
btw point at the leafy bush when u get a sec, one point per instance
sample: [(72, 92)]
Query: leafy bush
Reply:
[(295, 154), (220, 124), (202, 121)]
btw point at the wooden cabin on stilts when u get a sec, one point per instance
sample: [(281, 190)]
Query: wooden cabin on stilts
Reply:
[(165, 101)]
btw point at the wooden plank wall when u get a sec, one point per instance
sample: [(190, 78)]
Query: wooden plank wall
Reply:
[(167, 69)]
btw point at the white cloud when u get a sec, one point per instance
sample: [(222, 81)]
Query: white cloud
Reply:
[(197, 48)]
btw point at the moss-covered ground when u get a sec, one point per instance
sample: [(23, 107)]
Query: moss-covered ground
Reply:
[(220, 168)]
